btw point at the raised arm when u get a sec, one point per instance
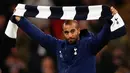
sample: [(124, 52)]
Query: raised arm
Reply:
[(45, 40), (103, 37), (97, 42)]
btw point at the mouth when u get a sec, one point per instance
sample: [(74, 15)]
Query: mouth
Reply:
[(71, 40)]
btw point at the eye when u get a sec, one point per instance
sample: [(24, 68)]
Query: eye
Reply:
[(66, 32), (72, 31)]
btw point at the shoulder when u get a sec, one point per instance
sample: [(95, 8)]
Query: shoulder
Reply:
[(61, 42), (89, 38)]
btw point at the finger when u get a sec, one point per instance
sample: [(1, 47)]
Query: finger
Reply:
[(18, 18), (113, 10)]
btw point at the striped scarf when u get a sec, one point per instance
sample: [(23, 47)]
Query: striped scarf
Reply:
[(94, 12)]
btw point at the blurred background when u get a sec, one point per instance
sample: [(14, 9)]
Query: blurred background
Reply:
[(29, 57)]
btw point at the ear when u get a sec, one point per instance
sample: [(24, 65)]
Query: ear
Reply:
[(78, 30)]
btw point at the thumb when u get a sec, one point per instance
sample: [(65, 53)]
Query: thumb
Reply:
[(17, 18)]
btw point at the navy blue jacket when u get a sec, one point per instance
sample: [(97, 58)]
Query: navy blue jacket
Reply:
[(76, 58)]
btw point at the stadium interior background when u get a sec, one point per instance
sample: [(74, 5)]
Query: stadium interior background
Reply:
[(29, 57)]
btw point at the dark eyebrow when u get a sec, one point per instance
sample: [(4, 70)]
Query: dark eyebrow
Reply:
[(72, 29), (66, 31)]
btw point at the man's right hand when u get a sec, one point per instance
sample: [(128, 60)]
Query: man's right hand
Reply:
[(17, 18)]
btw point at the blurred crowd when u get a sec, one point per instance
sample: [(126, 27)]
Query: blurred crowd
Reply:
[(29, 57)]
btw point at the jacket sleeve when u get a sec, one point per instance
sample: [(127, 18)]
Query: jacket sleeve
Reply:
[(113, 29), (45, 40), (97, 42)]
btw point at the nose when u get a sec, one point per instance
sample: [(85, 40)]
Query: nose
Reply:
[(70, 35)]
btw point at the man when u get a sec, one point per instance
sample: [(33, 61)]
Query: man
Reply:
[(75, 54)]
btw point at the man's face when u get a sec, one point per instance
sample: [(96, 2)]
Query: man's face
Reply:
[(71, 32)]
